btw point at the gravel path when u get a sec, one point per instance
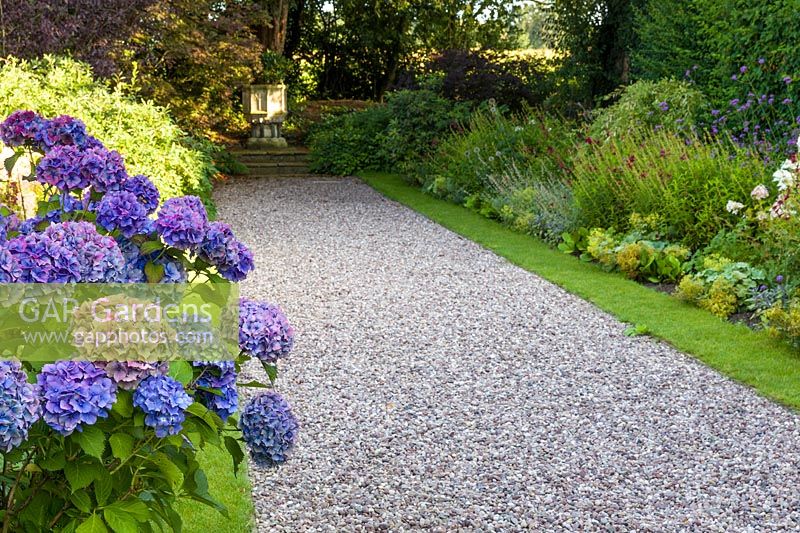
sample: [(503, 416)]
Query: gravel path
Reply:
[(442, 388)]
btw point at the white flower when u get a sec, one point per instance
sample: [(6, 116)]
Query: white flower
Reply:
[(761, 216), (518, 129), (733, 207), (759, 193), (790, 165), (783, 178)]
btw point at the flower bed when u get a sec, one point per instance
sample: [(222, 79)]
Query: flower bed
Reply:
[(98, 445)]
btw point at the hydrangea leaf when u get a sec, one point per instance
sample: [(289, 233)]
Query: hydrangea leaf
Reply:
[(92, 440), (235, 449), (154, 272), (93, 524), (121, 445), (119, 520), (181, 371)]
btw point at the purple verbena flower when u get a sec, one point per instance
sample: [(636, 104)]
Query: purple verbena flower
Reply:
[(163, 401), (269, 428), (75, 393)]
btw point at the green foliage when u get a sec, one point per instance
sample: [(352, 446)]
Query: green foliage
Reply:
[(687, 181), (669, 104), (638, 254), (516, 164), (276, 67), (150, 141), (720, 286), (404, 130)]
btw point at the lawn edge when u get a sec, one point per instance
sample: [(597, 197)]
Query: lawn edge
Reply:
[(753, 358)]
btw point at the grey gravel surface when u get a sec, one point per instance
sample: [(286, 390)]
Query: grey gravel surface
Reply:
[(441, 388)]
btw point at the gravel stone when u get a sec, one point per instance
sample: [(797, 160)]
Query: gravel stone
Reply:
[(441, 388)]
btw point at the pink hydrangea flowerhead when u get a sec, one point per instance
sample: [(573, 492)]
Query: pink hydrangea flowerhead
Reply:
[(75, 394), (128, 374)]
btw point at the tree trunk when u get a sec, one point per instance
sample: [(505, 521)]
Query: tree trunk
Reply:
[(271, 31)]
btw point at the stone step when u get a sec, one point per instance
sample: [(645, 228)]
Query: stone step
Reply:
[(283, 160), (273, 169)]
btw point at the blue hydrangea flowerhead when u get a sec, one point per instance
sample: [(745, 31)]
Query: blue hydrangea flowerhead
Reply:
[(121, 210), (182, 222), (163, 401), (128, 374), (105, 169), (174, 271), (21, 128), (220, 248), (75, 393), (63, 130), (264, 331), (42, 259), (220, 376), (144, 190), (9, 268), (19, 405), (64, 167), (99, 258), (269, 428)]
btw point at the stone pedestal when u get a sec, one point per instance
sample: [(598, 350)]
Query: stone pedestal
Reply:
[(265, 108)]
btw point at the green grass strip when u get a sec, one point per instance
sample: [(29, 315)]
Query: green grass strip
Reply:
[(752, 357), (232, 491)]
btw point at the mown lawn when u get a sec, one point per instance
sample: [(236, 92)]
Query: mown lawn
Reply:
[(751, 357), (232, 491)]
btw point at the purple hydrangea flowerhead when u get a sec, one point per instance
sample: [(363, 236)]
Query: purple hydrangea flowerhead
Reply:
[(19, 405), (44, 260), (220, 248), (264, 331), (220, 376), (9, 269), (121, 210), (75, 393), (99, 258), (269, 428), (62, 131), (128, 374), (163, 401), (20, 128), (8, 222), (144, 190), (182, 222), (64, 167), (105, 169)]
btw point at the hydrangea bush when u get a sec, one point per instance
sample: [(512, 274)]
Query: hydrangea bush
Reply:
[(112, 445)]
